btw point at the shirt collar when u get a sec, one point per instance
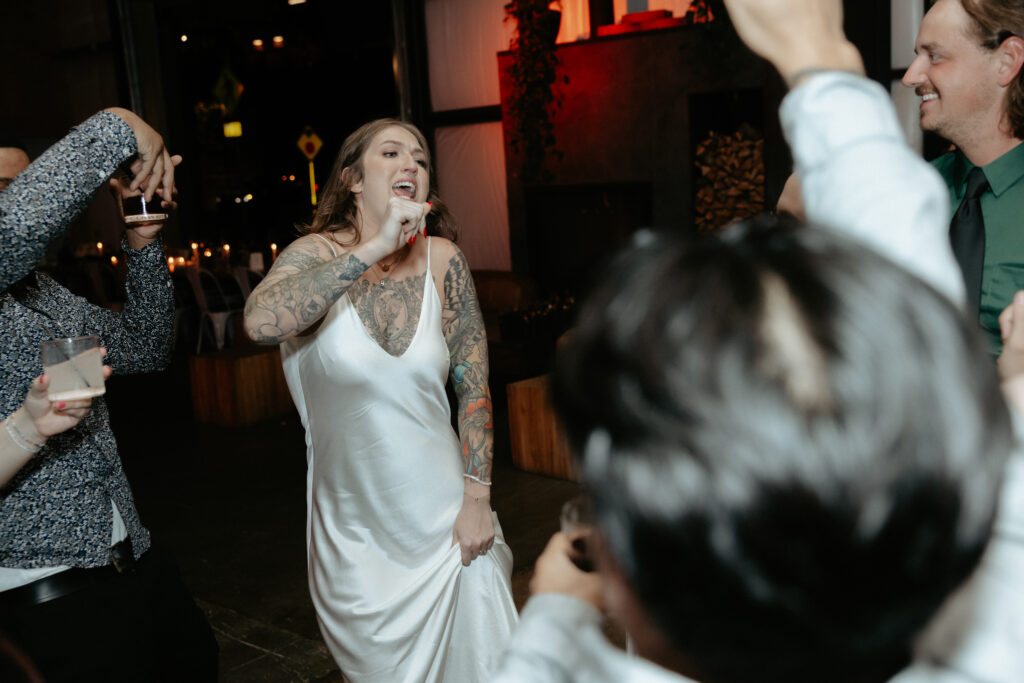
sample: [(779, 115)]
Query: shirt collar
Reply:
[(1002, 173)]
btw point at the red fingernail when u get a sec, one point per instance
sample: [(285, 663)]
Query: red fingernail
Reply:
[(62, 405), (430, 203), (414, 239), (409, 241)]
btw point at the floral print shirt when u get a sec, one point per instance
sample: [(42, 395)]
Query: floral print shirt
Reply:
[(57, 509)]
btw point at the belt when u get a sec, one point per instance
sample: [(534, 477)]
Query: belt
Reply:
[(61, 584)]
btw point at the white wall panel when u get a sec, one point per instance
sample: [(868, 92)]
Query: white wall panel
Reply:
[(471, 179), (463, 40), (906, 17)]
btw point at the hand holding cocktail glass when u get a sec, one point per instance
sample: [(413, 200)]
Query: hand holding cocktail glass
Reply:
[(555, 572), (50, 413), (567, 564), (142, 217), (577, 523)]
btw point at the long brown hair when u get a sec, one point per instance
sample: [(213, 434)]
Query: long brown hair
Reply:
[(338, 212), (994, 22)]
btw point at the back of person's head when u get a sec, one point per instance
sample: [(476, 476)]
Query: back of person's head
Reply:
[(995, 21), (794, 448)]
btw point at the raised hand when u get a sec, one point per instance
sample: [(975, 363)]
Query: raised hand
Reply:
[(795, 35), (153, 170), (141, 234)]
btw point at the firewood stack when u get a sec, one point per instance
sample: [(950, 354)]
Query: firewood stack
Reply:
[(731, 186)]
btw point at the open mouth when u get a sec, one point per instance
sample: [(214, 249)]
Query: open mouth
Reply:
[(404, 188), (928, 97)]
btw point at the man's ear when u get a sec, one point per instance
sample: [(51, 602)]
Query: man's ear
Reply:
[(1011, 59), (347, 175)]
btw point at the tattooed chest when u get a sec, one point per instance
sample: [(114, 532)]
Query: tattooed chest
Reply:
[(390, 311)]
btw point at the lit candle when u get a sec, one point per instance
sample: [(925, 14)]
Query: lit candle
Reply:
[(195, 252), (99, 248), (273, 251), (113, 260), (227, 249), (207, 253), (181, 260), (170, 263)]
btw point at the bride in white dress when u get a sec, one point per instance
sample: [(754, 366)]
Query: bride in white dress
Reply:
[(408, 570)]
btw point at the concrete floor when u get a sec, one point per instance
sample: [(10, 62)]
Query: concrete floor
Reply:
[(230, 504)]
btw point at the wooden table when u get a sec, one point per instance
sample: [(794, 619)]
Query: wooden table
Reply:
[(538, 441), (239, 386)]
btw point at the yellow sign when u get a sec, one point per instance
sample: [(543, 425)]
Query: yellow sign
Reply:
[(310, 143)]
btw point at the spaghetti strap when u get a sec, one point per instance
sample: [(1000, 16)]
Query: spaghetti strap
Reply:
[(331, 245)]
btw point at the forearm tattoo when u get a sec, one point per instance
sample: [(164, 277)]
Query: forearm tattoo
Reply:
[(284, 307), (463, 327)]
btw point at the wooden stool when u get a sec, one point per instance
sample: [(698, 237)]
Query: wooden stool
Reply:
[(239, 386), (538, 442)]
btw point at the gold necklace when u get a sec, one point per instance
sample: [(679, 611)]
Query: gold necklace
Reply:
[(388, 266)]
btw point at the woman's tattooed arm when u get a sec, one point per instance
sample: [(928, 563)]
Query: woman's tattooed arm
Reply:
[(463, 327), (303, 284)]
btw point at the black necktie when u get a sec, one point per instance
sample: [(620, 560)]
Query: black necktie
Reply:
[(967, 236)]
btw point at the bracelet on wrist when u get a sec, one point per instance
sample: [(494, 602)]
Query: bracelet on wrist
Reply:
[(19, 439), (477, 479)]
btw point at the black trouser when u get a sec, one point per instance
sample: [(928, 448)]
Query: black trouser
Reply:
[(137, 626)]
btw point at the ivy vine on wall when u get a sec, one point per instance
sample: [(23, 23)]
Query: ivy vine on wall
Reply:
[(533, 75)]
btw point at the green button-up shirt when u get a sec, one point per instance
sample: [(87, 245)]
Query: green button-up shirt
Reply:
[(1003, 208)]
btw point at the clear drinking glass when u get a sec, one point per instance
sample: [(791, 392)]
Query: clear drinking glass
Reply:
[(137, 211), (577, 520), (75, 367)]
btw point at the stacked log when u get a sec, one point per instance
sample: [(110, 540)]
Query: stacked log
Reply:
[(731, 182)]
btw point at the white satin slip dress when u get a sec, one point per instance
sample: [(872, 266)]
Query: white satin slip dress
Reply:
[(384, 484)]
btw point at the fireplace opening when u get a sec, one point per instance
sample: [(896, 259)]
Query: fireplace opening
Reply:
[(573, 230)]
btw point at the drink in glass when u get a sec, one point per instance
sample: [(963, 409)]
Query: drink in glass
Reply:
[(577, 521), (137, 211), (75, 367)]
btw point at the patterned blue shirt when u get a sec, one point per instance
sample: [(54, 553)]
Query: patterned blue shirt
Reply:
[(57, 510)]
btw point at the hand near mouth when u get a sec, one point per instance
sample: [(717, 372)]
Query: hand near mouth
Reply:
[(404, 220)]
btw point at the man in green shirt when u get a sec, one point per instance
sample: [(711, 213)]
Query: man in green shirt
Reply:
[(969, 76)]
